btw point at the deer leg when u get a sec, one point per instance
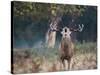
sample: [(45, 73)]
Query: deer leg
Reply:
[(69, 62), (62, 65), (63, 62)]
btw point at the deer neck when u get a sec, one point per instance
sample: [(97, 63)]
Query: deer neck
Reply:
[(66, 39)]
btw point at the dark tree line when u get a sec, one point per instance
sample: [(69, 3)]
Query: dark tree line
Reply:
[(31, 20)]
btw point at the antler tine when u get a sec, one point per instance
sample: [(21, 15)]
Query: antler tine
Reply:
[(81, 27)]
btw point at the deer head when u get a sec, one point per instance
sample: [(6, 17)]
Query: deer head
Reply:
[(67, 31)]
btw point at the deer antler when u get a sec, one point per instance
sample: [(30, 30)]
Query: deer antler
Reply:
[(80, 28)]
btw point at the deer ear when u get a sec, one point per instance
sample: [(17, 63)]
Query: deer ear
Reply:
[(61, 32), (69, 31)]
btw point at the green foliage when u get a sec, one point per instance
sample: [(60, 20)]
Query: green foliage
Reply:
[(39, 9)]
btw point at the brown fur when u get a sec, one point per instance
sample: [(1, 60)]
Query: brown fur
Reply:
[(66, 50)]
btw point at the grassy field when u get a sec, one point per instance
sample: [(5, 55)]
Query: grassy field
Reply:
[(47, 60)]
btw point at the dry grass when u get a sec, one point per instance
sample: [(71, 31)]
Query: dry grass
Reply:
[(32, 61)]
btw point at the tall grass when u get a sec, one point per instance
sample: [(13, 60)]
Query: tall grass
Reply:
[(47, 60), (89, 47)]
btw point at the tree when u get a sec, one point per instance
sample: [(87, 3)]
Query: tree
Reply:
[(32, 20)]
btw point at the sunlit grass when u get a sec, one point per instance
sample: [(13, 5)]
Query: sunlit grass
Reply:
[(47, 60)]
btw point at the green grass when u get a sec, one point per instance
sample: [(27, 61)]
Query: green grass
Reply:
[(80, 48), (89, 47)]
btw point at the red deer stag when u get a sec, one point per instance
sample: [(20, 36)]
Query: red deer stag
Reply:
[(67, 46)]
